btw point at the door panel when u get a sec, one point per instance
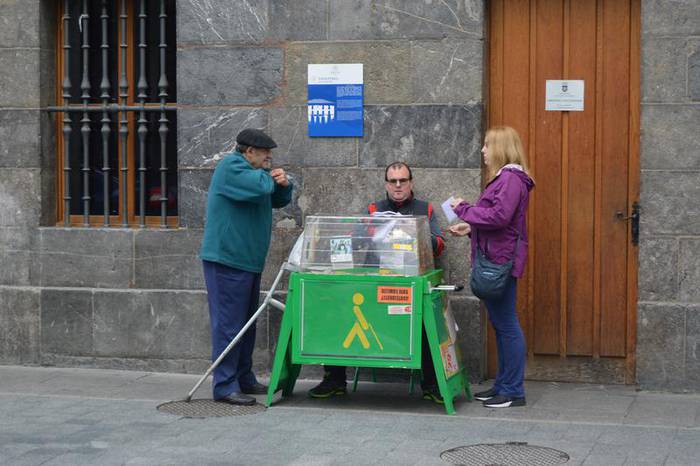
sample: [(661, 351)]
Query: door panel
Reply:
[(577, 300), (581, 189), (614, 167)]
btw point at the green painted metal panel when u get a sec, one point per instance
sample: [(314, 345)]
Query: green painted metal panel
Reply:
[(362, 321), (341, 319), (439, 304)]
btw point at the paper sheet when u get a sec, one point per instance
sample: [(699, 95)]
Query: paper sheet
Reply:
[(449, 213)]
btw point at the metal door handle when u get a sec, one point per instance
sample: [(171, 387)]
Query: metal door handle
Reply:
[(621, 215), (634, 216), (447, 288)]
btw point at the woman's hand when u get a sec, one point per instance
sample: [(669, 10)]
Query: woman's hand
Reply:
[(460, 229), (456, 201)]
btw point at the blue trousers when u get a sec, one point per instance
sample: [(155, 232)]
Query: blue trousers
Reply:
[(233, 299), (510, 342)]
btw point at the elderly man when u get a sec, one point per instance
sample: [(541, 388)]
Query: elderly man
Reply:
[(399, 198), (242, 194)]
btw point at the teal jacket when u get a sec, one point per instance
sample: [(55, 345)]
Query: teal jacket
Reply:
[(239, 214)]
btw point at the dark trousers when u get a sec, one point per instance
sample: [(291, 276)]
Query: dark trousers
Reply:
[(510, 342), (233, 299), (337, 373)]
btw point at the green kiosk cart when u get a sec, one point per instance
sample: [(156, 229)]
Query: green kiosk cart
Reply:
[(364, 289)]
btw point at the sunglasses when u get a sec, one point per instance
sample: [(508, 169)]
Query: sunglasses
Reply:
[(398, 180)]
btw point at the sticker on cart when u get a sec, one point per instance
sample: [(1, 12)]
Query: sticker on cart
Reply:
[(402, 246), (400, 310), (394, 294), (341, 249), (449, 359)]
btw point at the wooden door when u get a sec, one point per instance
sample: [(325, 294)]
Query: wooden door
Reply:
[(577, 301)]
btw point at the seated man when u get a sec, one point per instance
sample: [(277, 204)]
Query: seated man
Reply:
[(399, 198)]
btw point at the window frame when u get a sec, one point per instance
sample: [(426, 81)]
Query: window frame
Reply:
[(115, 221)]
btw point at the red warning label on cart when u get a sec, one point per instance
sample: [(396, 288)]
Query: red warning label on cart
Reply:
[(394, 294)]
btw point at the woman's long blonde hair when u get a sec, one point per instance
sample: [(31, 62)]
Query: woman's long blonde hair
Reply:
[(505, 147)]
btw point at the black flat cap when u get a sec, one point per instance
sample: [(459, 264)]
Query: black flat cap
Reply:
[(255, 138)]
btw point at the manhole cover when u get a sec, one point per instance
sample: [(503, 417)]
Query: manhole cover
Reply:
[(208, 408), (511, 453)]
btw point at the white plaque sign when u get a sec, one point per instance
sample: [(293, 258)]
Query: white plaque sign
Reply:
[(566, 95)]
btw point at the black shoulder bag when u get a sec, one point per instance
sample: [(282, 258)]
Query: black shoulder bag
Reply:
[(489, 279)]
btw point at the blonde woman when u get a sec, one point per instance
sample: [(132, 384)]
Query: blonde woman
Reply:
[(497, 220)]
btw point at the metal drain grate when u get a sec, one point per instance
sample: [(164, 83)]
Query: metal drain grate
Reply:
[(208, 408), (511, 453)]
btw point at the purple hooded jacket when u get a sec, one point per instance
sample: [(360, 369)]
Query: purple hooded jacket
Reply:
[(499, 217)]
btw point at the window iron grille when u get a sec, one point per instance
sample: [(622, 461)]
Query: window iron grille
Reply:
[(118, 111)]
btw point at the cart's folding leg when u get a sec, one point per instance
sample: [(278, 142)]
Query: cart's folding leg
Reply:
[(434, 348), (284, 373)]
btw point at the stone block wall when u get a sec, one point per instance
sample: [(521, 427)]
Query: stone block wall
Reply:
[(135, 299), (668, 345), (26, 170), (423, 74)]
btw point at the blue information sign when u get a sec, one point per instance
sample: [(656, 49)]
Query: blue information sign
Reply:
[(335, 100)]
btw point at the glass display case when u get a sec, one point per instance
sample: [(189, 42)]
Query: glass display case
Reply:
[(393, 245)]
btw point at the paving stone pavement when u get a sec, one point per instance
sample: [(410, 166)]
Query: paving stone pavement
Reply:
[(53, 416)]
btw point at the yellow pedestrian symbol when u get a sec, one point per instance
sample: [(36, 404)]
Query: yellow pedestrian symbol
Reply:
[(361, 324)]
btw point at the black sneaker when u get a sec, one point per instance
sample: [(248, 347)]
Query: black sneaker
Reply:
[(433, 394), (237, 398), (328, 388), (500, 401), (486, 394), (256, 389)]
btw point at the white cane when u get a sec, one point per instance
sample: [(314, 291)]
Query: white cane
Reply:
[(223, 354)]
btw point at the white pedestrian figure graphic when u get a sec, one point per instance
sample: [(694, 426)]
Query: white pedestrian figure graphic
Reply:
[(320, 111)]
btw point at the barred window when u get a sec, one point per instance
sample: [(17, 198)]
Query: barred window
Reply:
[(117, 141)]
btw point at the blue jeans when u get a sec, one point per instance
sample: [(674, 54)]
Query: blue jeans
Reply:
[(510, 342), (233, 299)]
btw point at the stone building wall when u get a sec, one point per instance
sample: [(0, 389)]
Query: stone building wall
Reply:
[(134, 298), (668, 345), (27, 171)]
